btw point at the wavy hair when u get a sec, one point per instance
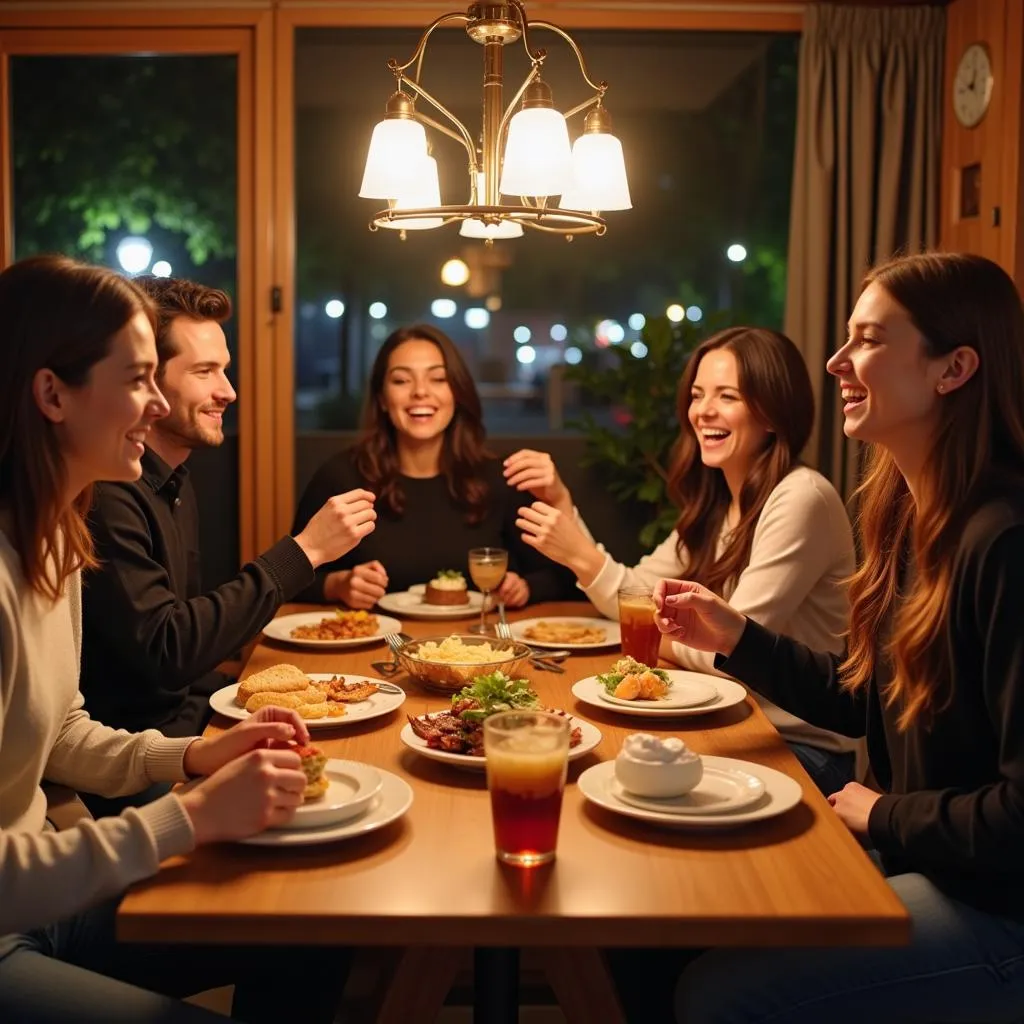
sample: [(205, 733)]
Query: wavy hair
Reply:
[(774, 383), (954, 300), (463, 453), (59, 315)]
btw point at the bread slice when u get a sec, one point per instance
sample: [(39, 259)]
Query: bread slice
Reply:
[(276, 679)]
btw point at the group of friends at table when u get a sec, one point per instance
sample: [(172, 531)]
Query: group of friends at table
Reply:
[(903, 666)]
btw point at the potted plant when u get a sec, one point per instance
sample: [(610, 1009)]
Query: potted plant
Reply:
[(635, 452)]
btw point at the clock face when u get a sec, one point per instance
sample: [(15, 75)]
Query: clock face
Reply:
[(972, 87)]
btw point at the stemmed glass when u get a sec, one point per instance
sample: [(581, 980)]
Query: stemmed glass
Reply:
[(487, 567)]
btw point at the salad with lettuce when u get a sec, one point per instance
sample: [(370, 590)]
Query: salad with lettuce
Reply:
[(629, 667), (493, 693)]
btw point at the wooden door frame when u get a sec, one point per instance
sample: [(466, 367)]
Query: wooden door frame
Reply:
[(246, 34)]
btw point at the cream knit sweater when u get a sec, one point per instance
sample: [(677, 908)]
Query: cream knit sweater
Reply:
[(45, 733), (802, 550)]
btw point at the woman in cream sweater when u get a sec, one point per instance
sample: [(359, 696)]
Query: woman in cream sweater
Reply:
[(756, 527), (77, 398)]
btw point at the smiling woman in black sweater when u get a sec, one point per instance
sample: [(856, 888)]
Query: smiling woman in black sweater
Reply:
[(422, 452), (932, 375)]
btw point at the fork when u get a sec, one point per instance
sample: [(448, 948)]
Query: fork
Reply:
[(395, 641)]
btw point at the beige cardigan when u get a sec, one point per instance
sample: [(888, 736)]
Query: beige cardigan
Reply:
[(45, 733), (802, 550)]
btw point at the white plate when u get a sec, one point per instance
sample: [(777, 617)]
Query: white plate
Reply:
[(394, 799), (590, 737), (411, 603), (597, 784), (613, 635), (590, 691), (720, 790), (351, 788), (688, 690), (379, 703), (280, 629)]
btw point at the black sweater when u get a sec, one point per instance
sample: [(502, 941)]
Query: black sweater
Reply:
[(953, 807), (433, 533), (151, 638)]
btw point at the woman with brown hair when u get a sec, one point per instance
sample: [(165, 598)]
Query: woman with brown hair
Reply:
[(422, 452), (768, 534), (932, 377), (77, 399)]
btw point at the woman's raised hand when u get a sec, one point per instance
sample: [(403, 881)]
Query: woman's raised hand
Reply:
[(693, 615), (556, 534), (527, 470)]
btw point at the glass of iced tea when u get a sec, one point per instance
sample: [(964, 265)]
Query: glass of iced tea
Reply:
[(527, 753), (640, 636)]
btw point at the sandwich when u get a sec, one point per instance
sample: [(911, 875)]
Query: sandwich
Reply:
[(276, 679), (314, 760)]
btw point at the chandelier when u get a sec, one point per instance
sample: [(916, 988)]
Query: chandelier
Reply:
[(522, 150)]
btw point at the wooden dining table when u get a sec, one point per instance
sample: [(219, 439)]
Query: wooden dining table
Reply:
[(431, 882)]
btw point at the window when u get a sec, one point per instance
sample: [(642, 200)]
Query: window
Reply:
[(707, 122)]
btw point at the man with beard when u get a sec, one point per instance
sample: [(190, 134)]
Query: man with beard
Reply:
[(151, 638)]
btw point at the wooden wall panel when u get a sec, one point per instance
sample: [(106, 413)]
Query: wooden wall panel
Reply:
[(995, 142)]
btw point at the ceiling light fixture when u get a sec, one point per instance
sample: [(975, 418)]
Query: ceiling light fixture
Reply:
[(523, 150)]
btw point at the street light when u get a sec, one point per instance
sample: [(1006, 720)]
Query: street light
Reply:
[(134, 253), (736, 253)]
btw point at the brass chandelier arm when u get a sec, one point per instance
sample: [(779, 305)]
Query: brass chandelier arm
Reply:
[(466, 138), (599, 87), (582, 106), (443, 128), (399, 69)]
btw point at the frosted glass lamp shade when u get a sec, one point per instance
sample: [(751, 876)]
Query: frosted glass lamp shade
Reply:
[(476, 228), (425, 191), (397, 148), (538, 159), (598, 175)]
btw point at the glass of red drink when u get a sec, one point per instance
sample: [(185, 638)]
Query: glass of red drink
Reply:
[(527, 754), (640, 636)]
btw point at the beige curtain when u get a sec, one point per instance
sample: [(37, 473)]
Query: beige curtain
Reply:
[(865, 180)]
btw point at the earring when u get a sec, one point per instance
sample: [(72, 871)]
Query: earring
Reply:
[(941, 388)]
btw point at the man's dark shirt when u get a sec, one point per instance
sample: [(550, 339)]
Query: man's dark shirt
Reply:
[(151, 638)]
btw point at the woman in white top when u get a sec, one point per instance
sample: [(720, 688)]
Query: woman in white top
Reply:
[(77, 398), (755, 526)]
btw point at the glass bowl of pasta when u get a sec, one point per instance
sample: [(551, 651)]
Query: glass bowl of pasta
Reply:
[(448, 663)]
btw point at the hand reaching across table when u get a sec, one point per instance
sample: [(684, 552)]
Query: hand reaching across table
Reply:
[(359, 587)]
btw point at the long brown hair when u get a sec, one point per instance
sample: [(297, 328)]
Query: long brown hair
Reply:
[(59, 315), (773, 381), (463, 453), (953, 299)]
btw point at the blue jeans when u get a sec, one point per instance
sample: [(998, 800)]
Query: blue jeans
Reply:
[(828, 770), (962, 965), (76, 970)]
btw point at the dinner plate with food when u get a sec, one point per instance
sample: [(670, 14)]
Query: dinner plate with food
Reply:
[(456, 736), (575, 633), (321, 699), (446, 596), (328, 629), (382, 798), (636, 689)]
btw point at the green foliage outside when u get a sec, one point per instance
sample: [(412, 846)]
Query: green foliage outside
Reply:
[(636, 454), (105, 147)]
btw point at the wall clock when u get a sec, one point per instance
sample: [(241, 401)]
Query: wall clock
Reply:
[(972, 86)]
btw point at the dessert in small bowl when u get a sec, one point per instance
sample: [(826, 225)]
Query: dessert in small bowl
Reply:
[(449, 663), (653, 767), (447, 587)]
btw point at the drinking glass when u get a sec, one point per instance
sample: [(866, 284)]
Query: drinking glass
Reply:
[(527, 756), (487, 567), (640, 636)]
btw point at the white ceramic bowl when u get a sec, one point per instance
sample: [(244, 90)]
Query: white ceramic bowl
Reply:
[(656, 778)]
